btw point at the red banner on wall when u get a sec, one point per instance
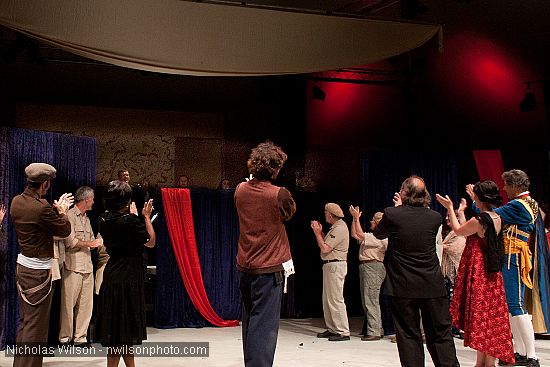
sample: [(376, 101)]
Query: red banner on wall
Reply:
[(490, 167)]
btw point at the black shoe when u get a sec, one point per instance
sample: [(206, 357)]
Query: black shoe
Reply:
[(531, 362), (370, 338), (338, 338), (519, 361), (326, 334), (64, 344)]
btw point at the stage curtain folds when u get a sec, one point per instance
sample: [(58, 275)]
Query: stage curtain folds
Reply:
[(194, 38), (179, 219), (383, 173), (74, 158)]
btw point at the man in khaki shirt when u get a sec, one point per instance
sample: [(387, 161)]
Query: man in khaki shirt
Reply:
[(334, 253), (78, 279)]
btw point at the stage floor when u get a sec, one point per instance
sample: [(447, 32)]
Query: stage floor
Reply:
[(297, 346)]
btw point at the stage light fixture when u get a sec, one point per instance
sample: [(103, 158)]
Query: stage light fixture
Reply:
[(318, 93), (528, 103)]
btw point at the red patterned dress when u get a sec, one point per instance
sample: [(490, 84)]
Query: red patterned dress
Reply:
[(479, 304)]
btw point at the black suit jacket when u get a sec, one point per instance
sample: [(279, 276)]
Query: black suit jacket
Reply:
[(412, 266)]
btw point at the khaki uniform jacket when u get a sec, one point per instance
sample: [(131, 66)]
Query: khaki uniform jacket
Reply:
[(338, 239), (78, 259)]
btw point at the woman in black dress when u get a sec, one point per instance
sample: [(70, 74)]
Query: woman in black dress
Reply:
[(121, 304)]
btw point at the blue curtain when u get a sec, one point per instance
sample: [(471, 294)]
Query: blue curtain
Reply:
[(75, 160), (383, 172), (217, 234)]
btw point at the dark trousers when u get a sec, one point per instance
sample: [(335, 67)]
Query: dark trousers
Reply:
[(261, 296), (436, 320), (33, 320)]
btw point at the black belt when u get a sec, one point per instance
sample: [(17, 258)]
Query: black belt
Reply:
[(331, 261), (369, 261)]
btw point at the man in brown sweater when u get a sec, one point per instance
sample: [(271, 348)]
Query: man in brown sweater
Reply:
[(36, 223), (263, 209)]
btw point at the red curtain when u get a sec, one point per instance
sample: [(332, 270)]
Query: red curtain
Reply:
[(179, 220), (490, 167)]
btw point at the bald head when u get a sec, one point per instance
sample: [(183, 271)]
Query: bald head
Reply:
[(414, 193)]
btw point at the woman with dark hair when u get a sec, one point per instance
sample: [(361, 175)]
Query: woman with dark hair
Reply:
[(121, 305), (479, 302)]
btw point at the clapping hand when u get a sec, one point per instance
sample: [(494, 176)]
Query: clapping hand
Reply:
[(63, 203), (317, 227), (96, 243), (463, 205), (147, 208), (445, 201), (470, 190), (355, 212), (133, 208), (397, 199)]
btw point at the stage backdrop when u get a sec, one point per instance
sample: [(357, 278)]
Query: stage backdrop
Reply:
[(74, 159)]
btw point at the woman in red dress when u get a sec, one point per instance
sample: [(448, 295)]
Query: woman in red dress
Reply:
[(479, 303)]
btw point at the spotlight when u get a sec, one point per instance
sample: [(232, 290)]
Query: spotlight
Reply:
[(318, 93), (529, 103)]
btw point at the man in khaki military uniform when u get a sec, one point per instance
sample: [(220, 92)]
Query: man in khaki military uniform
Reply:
[(334, 253), (78, 279)]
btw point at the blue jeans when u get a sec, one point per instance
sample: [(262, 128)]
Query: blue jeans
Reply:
[(261, 297)]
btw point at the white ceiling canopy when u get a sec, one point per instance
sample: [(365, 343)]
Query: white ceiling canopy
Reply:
[(211, 39)]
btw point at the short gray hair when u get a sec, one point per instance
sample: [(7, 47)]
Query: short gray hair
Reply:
[(82, 193), (516, 178)]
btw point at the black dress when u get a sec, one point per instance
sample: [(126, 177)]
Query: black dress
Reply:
[(121, 302)]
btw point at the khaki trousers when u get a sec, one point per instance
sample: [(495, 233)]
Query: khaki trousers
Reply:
[(371, 277), (334, 307), (77, 292)]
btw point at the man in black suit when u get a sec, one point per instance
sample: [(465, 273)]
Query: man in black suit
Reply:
[(414, 281)]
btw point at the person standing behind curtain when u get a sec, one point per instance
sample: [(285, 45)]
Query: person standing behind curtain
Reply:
[(121, 303), (263, 252), (36, 222), (123, 175), (183, 182), (371, 271), (414, 281), (479, 305)]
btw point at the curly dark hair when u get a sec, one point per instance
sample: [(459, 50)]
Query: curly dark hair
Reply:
[(516, 178), (414, 193), (487, 191), (266, 160), (118, 195)]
